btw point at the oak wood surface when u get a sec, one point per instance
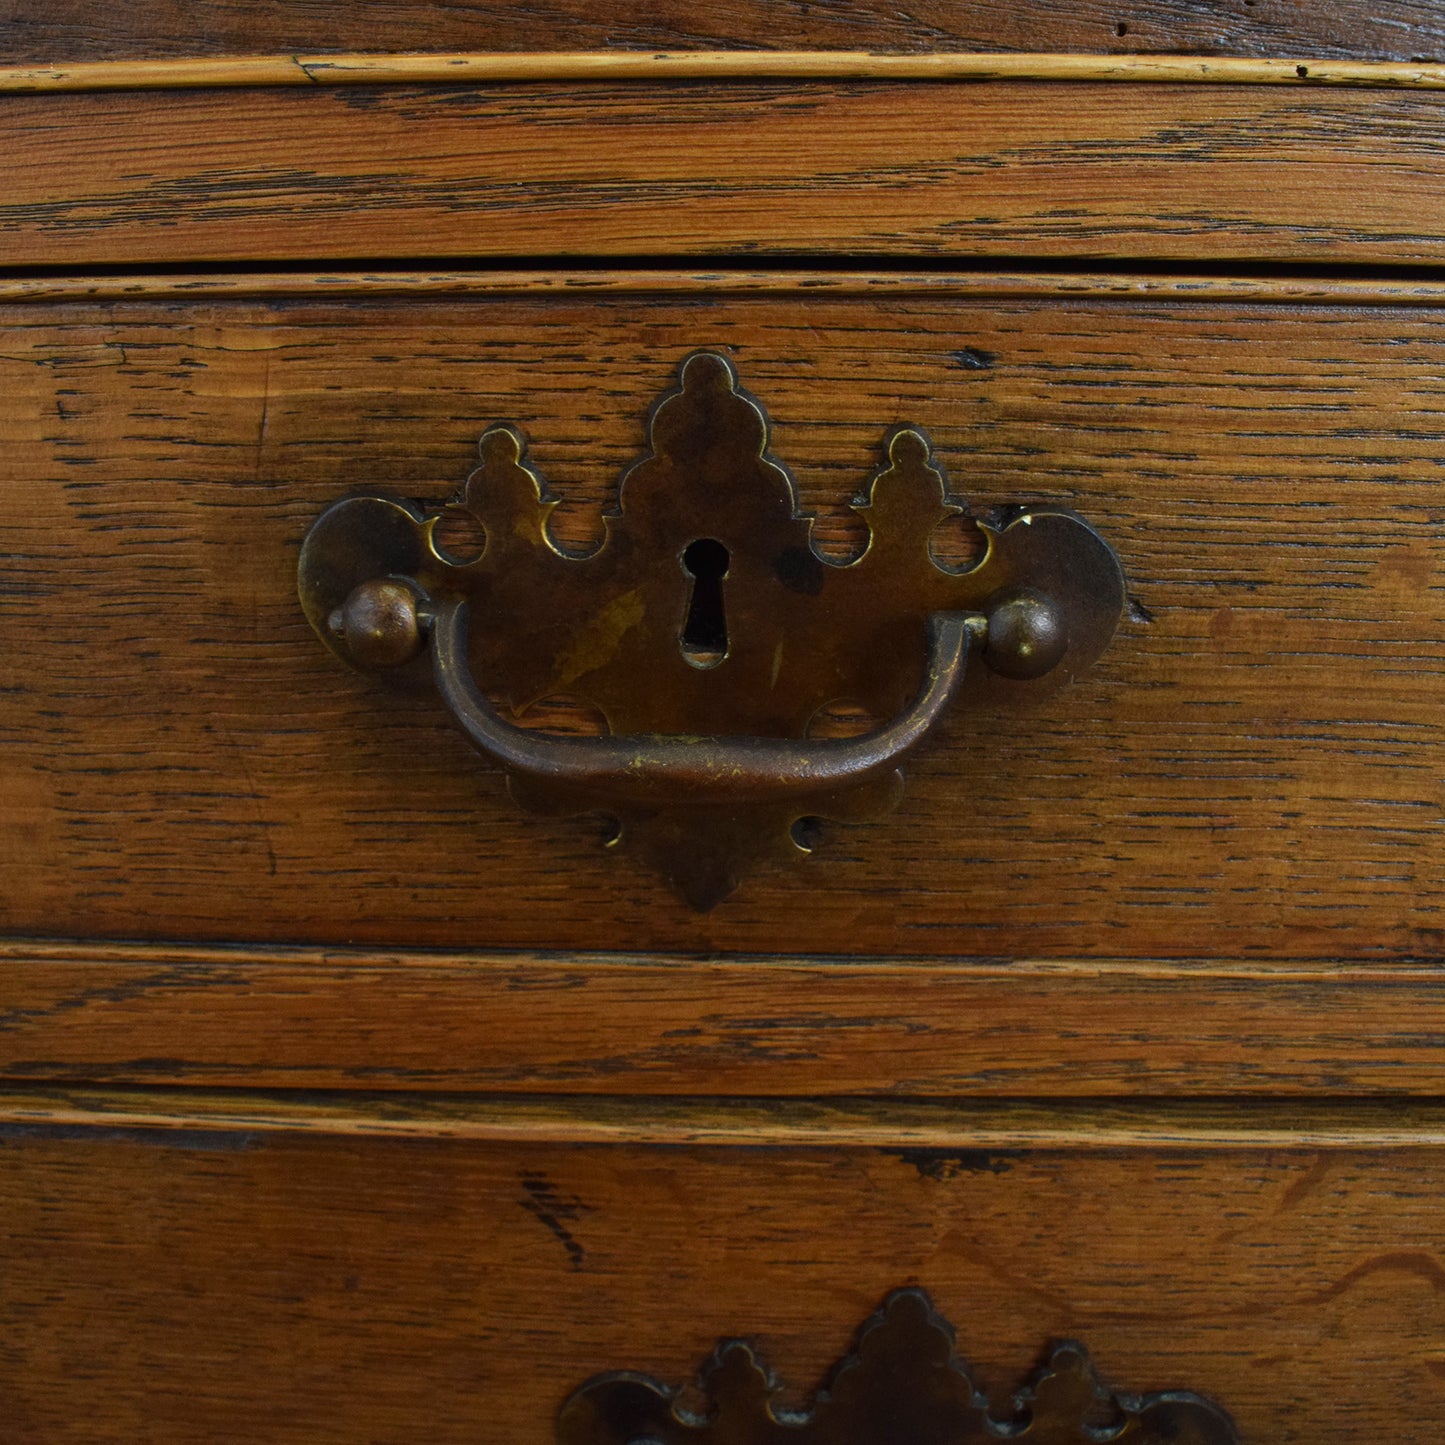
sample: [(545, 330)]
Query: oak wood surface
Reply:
[(64, 30), (488, 67), (213, 1281), (1228, 837), (1251, 770), (950, 169), (1394, 290), (777, 1027), (1064, 1125)]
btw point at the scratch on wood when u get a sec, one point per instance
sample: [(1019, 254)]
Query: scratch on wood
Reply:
[(552, 1210)]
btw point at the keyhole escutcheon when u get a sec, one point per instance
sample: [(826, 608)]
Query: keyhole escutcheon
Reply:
[(704, 638)]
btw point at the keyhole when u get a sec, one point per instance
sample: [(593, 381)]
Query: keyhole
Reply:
[(705, 629)]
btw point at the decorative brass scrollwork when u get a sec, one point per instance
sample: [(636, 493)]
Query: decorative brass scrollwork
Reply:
[(708, 630), (903, 1385)]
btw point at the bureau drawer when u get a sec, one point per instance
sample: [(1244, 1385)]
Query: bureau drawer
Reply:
[(207, 1269), (1251, 769), (478, 163), (342, 1099)]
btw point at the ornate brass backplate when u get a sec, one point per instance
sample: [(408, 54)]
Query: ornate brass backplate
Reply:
[(903, 1385), (708, 630)]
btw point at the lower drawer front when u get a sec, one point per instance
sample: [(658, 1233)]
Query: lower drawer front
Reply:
[(223, 1280)]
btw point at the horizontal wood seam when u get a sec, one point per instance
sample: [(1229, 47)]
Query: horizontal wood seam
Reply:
[(575, 66), (560, 281), (17, 954), (1057, 1124)]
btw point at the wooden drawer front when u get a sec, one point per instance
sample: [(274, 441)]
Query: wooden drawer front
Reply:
[(771, 167), (78, 29), (1252, 769), (220, 1281), (662, 1026)]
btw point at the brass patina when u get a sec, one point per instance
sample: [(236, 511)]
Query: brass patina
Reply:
[(903, 1385), (708, 630)]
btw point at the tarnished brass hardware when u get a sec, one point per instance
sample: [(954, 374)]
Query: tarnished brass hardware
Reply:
[(903, 1385), (708, 630), (379, 624)]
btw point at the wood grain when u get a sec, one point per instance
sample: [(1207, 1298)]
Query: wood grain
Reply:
[(214, 1281), (1066, 1125), (67, 30), (490, 67), (657, 1026), (1252, 770), (1175, 288), (949, 169)]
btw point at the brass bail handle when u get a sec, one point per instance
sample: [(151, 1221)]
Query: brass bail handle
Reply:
[(708, 630), (385, 623)]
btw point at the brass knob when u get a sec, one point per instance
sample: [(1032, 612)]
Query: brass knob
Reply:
[(379, 624), (1027, 636)]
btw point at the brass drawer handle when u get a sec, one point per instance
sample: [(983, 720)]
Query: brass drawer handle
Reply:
[(641, 770), (708, 630)]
